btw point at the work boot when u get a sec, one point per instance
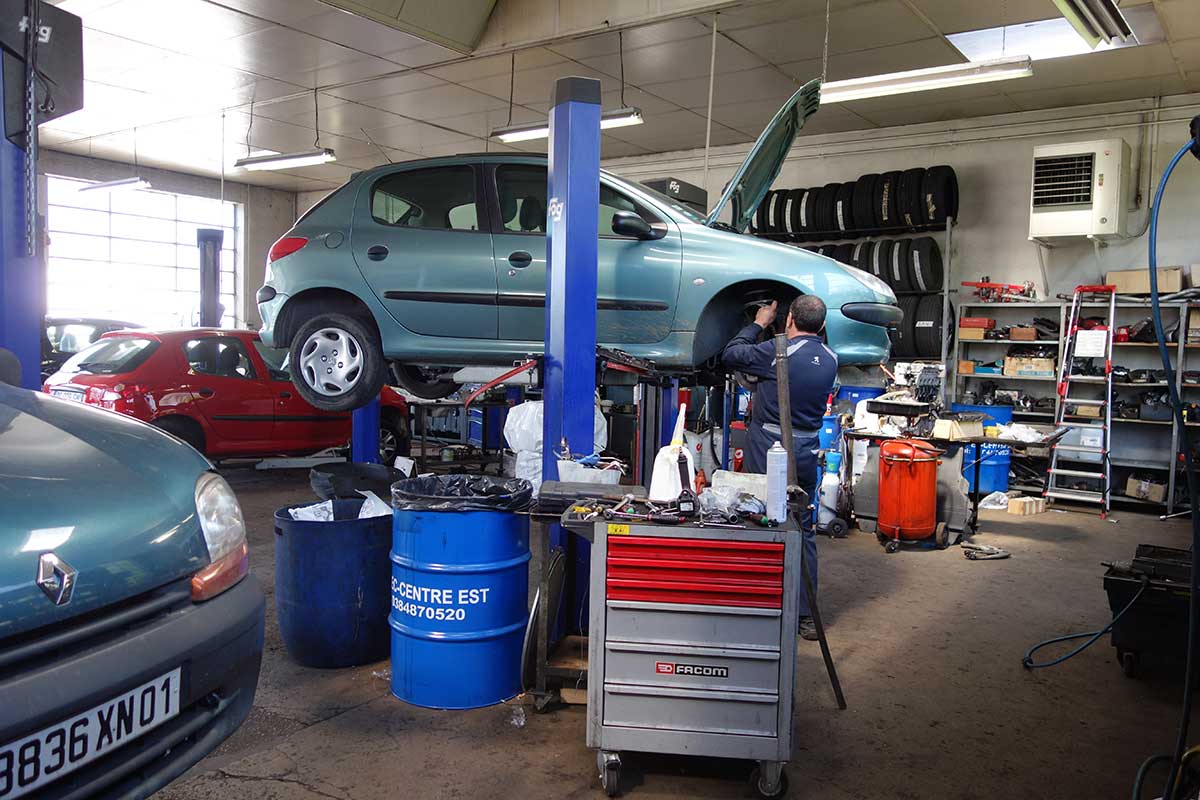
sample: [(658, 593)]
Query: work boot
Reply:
[(808, 629)]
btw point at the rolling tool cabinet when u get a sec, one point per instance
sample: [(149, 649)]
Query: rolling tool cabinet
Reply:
[(692, 645)]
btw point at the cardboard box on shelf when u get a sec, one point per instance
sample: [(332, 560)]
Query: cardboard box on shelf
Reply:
[(1137, 281), (1086, 411), (1193, 326), (970, 334), (1023, 334), (966, 367), (1029, 367), (1144, 489), (956, 429), (1194, 276)]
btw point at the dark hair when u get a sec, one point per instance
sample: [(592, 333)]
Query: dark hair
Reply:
[(808, 313)]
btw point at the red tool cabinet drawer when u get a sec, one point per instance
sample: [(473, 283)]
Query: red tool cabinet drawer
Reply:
[(716, 572)]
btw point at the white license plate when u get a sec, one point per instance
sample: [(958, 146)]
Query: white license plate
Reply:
[(30, 763), (67, 394)]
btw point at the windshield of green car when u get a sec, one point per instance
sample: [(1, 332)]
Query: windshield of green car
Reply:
[(690, 213)]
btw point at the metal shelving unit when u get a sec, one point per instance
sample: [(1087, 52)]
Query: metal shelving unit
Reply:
[(1148, 428)]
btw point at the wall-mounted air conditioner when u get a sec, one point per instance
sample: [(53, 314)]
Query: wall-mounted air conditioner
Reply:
[(1079, 190)]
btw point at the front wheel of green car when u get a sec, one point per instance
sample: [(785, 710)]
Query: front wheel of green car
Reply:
[(337, 362)]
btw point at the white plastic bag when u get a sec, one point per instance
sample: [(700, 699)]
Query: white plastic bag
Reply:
[(523, 432), (372, 506), (318, 512), (996, 501)]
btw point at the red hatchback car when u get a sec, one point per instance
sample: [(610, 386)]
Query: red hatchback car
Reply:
[(222, 391)]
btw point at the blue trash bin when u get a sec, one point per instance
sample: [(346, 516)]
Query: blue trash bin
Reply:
[(331, 586), (993, 470), (460, 587)]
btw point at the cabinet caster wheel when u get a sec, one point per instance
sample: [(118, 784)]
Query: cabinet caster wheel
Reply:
[(761, 784), (892, 546), (610, 772), (940, 536), (1129, 660)]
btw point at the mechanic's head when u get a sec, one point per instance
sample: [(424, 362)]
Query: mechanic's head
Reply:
[(806, 314)]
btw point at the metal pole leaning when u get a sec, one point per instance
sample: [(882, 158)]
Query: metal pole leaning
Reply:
[(785, 426)]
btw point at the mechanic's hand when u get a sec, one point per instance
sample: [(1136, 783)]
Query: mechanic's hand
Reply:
[(766, 314)]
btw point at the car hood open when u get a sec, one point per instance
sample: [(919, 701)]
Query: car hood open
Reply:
[(756, 174), (111, 497)]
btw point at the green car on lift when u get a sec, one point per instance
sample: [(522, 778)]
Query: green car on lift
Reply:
[(436, 264)]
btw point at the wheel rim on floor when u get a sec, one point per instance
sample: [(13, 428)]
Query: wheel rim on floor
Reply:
[(331, 362)]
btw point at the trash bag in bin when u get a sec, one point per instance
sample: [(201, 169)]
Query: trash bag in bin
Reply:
[(462, 493), (341, 480)]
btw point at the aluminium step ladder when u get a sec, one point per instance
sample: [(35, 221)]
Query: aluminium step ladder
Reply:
[(1095, 342)]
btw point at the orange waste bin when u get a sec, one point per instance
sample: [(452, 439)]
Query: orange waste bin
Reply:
[(907, 489)]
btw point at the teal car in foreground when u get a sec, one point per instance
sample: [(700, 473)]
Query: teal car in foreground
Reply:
[(435, 264), (131, 633)]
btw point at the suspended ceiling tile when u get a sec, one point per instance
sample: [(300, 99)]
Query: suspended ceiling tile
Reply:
[(279, 52), (345, 72), (334, 172), (106, 55), (1099, 92), (158, 22), (283, 12), (749, 118), (1188, 53), (817, 126), (537, 85), (386, 86), (109, 108), (357, 32), (861, 27), (765, 83), (878, 61), (423, 55), (954, 16), (615, 148), (81, 8), (489, 66), (1109, 65), (1181, 18), (662, 125), (749, 15), (687, 58), (441, 101), (942, 111), (416, 137)]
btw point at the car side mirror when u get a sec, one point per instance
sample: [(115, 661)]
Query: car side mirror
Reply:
[(627, 223)]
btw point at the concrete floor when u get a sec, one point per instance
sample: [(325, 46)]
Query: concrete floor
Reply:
[(929, 649)]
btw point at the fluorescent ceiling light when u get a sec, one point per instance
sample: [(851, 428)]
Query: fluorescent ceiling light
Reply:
[(923, 80), (111, 186), (255, 153), (1096, 20), (305, 158), (1052, 38), (620, 118)]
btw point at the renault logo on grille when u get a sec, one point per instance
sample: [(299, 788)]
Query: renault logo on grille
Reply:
[(56, 578)]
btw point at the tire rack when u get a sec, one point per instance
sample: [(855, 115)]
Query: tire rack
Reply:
[(1121, 427), (947, 267)]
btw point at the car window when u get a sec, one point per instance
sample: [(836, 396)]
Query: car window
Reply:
[(276, 360), (72, 337), (522, 192), (114, 356), (221, 356), (437, 197)]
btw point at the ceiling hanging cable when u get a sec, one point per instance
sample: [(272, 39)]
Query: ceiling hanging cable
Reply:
[(825, 51), (249, 127), (712, 71), (512, 82), (621, 52), (316, 121)]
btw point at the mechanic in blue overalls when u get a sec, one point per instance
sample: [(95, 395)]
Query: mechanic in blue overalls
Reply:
[(812, 371)]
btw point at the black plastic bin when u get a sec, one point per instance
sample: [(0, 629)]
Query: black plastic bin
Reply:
[(332, 586)]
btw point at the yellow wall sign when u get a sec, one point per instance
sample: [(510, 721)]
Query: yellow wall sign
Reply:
[(617, 530)]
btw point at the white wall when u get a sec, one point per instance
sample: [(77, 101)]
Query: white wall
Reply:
[(993, 159), (267, 213)]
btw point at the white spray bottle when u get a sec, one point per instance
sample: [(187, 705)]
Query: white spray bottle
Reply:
[(665, 480), (777, 473)]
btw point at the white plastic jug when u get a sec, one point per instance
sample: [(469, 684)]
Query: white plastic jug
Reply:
[(665, 485), (829, 494)]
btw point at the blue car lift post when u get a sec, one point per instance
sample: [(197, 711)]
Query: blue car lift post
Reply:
[(35, 37)]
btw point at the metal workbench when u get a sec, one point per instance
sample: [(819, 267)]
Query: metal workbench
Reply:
[(692, 645)]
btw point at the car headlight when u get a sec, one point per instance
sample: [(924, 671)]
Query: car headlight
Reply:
[(868, 280), (224, 531)]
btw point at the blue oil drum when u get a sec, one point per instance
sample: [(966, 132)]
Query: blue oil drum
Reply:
[(331, 586), (460, 585), (993, 470), (853, 394)]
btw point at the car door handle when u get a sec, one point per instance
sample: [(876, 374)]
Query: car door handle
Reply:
[(206, 392), (377, 252), (520, 259)]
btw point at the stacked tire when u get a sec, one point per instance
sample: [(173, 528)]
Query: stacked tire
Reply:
[(891, 202), (919, 335)]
